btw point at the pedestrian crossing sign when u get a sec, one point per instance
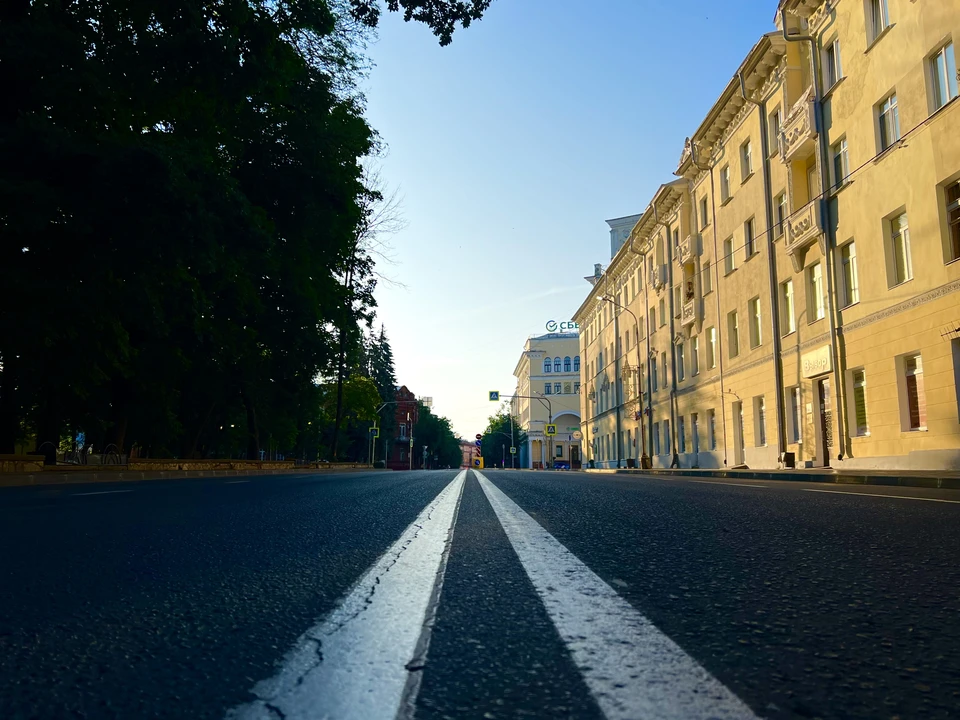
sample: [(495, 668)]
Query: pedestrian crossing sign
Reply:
[(494, 396), (374, 432), (513, 451), (551, 430)]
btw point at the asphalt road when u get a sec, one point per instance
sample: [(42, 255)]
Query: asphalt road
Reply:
[(437, 595)]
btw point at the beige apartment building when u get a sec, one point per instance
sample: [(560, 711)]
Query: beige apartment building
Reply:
[(793, 297), (548, 392)]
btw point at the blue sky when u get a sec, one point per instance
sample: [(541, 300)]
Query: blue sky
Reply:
[(511, 147)]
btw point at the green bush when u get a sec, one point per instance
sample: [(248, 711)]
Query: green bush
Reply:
[(379, 464)]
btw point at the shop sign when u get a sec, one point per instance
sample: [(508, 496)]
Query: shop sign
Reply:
[(816, 362), (553, 326)]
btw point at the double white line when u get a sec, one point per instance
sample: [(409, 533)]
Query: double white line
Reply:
[(364, 660)]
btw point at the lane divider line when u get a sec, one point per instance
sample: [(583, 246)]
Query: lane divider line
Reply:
[(718, 482), (880, 495), (101, 492), (235, 482), (359, 662), (632, 669)]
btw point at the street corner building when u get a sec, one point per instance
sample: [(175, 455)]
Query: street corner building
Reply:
[(548, 392), (793, 297)]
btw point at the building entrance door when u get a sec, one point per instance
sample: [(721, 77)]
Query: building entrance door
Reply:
[(825, 424), (574, 457)]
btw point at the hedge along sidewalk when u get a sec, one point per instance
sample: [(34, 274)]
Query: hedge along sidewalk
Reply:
[(80, 477), (939, 479)]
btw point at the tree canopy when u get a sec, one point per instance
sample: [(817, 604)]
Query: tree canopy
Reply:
[(181, 192), (495, 445)]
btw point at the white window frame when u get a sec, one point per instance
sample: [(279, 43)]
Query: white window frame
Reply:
[(815, 300), (712, 429), (750, 238), (681, 435), (904, 372), (746, 161), (776, 124), (780, 210), (794, 416), (733, 333), (857, 384), (704, 210), (788, 310), (694, 356), (848, 274), (759, 421), (681, 364), (952, 208), (832, 64), (756, 322), (901, 254), (888, 122), (711, 347), (706, 279), (878, 18), (729, 256), (840, 163), (725, 184), (943, 72)]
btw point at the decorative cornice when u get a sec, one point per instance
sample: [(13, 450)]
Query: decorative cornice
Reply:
[(750, 365), (904, 306), (816, 340)]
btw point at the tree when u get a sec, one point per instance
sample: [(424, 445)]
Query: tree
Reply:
[(441, 16), (495, 446), (436, 433)]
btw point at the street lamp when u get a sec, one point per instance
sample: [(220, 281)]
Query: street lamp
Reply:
[(644, 458)]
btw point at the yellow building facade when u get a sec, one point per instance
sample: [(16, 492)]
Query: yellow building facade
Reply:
[(548, 393), (793, 298)]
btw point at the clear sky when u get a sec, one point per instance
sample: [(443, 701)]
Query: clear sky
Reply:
[(511, 147)]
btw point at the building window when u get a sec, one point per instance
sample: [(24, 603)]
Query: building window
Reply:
[(704, 214), (952, 193), (663, 312), (576, 364), (681, 435), (666, 437), (725, 183), (556, 389), (733, 331), (760, 421), (656, 438), (681, 369), (653, 377), (576, 388), (815, 308), (916, 399), (858, 388), (943, 67), (548, 389), (712, 429), (832, 66), (746, 161), (776, 121), (788, 317), (711, 347), (706, 279), (567, 364), (902, 266), (729, 260), (547, 365), (878, 19), (556, 364), (663, 370), (753, 309), (677, 302), (794, 414), (653, 319), (848, 272), (841, 163), (403, 431), (695, 356), (749, 238), (780, 209), (888, 116)]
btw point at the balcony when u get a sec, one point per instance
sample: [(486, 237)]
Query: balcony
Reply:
[(658, 276), (804, 228), (689, 316), (799, 133), (687, 249)]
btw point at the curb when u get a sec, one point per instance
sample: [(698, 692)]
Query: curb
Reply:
[(124, 476), (933, 480)]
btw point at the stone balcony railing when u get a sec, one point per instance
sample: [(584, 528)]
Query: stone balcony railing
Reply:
[(689, 315), (799, 131), (686, 250), (804, 227), (658, 276)]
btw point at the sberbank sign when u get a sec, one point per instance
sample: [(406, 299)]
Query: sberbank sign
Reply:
[(553, 326)]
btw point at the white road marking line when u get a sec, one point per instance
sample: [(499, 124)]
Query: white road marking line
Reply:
[(363, 661), (102, 492), (632, 669), (881, 495), (235, 482), (717, 482)]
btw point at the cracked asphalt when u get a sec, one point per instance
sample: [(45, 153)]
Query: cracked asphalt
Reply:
[(173, 599)]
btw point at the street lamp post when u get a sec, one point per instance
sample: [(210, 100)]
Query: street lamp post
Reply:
[(644, 458)]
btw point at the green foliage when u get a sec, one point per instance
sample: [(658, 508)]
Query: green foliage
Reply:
[(495, 446), (443, 446), (441, 16)]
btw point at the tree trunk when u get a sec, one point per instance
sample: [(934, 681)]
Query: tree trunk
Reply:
[(253, 432), (341, 361), (9, 421)]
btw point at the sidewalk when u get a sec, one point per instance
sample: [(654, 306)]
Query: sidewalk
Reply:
[(78, 477), (941, 479)]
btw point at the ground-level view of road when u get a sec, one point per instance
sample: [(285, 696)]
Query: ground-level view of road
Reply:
[(478, 594)]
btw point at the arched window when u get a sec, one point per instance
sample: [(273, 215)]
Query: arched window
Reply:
[(566, 364), (576, 364), (556, 364), (546, 365)]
